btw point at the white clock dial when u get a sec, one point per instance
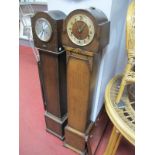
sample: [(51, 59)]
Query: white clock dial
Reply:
[(80, 29), (43, 29)]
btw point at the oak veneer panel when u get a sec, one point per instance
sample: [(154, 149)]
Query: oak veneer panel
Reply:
[(51, 81), (78, 80)]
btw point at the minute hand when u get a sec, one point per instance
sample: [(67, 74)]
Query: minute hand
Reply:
[(82, 28), (77, 27)]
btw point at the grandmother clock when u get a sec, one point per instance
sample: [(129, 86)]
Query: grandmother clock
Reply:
[(85, 34), (47, 28)]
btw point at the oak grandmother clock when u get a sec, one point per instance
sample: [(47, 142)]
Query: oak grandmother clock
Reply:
[(47, 30), (85, 34)]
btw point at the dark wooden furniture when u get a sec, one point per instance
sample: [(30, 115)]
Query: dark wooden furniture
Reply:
[(85, 34), (52, 68)]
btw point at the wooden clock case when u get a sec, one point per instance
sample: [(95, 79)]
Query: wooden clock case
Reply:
[(82, 68), (101, 38), (52, 72)]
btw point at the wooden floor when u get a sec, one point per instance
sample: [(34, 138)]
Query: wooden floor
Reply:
[(34, 140)]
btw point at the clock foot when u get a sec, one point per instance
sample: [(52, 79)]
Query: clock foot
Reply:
[(55, 125), (76, 140), (74, 149)]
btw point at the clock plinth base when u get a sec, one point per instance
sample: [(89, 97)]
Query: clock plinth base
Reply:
[(76, 140), (55, 125), (74, 149)]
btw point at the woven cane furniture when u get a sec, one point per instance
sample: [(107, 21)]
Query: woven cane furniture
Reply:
[(119, 95)]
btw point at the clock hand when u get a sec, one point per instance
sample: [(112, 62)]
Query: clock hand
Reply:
[(40, 34), (82, 27), (45, 26), (42, 26), (77, 26), (43, 34)]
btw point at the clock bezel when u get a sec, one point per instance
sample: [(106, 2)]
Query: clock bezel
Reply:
[(90, 21), (48, 23)]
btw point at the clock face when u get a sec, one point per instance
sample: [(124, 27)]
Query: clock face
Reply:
[(80, 29), (43, 29)]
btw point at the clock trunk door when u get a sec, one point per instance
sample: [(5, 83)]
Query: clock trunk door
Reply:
[(78, 73), (51, 81)]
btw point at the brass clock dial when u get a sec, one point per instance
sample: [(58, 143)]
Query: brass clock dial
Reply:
[(43, 29), (80, 29)]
